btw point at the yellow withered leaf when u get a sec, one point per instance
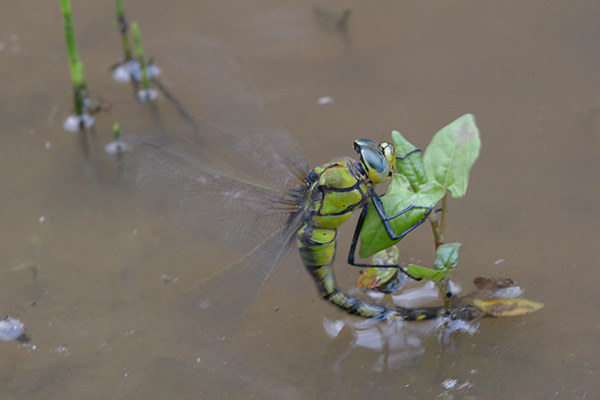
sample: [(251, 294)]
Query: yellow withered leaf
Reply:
[(380, 278), (376, 278), (507, 307)]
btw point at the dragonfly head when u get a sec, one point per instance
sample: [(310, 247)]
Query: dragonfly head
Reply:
[(379, 160)]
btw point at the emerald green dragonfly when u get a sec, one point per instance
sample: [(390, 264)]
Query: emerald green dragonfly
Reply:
[(233, 173)]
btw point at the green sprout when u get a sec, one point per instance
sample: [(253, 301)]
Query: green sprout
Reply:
[(122, 24), (117, 131), (77, 75)]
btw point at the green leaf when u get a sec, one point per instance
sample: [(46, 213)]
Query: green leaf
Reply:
[(447, 257), (426, 273), (409, 162), (445, 262), (373, 236), (451, 154)]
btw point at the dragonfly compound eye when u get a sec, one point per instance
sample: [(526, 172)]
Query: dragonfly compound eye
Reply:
[(374, 159), (389, 152)]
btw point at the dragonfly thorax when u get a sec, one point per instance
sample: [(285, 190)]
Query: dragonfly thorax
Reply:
[(340, 187)]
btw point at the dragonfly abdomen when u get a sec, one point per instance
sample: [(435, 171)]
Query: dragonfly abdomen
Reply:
[(317, 249)]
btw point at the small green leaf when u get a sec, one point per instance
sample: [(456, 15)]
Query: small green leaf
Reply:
[(445, 262), (451, 154), (447, 257), (373, 236), (426, 273), (409, 162)]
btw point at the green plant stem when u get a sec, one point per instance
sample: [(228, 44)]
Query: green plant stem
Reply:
[(75, 64), (438, 232), (444, 288), (122, 21), (137, 42), (438, 235), (443, 217)]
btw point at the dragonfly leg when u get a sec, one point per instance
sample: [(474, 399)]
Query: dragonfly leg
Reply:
[(386, 219), (417, 150), (352, 252)]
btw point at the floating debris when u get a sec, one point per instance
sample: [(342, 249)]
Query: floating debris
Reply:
[(116, 147), (74, 122), (11, 328), (145, 95), (498, 297), (325, 100), (132, 71), (494, 288), (507, 307), (452, 384), (493, 283)]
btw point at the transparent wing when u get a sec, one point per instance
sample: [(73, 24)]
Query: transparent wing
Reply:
[(215, 203), (213, 155), (210, 153), (220, 305)]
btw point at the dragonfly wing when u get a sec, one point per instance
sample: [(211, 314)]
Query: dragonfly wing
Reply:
[(210, 152), (214, 155), (215, 203), (223, 111), (218, 305)]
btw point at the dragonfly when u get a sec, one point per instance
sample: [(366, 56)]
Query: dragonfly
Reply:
[(231, 172)]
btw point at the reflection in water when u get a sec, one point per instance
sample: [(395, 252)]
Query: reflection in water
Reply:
[(397, 343)]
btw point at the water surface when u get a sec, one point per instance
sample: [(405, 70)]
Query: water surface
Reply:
[(93, 271)]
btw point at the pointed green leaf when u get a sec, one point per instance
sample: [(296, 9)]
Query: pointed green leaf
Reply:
[(426, 273), (409, 161), (445, 262), (451, 154), (446, 257), (373, 236)]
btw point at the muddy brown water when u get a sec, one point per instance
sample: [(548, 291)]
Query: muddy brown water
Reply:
[(93, 271)]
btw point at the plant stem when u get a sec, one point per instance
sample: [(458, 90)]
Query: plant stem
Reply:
[(444, 288), (137, 42), (77, 75), (438, 235), (122, 21), (444, 209)]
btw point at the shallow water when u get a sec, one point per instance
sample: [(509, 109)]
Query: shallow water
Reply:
[(93, 272)]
